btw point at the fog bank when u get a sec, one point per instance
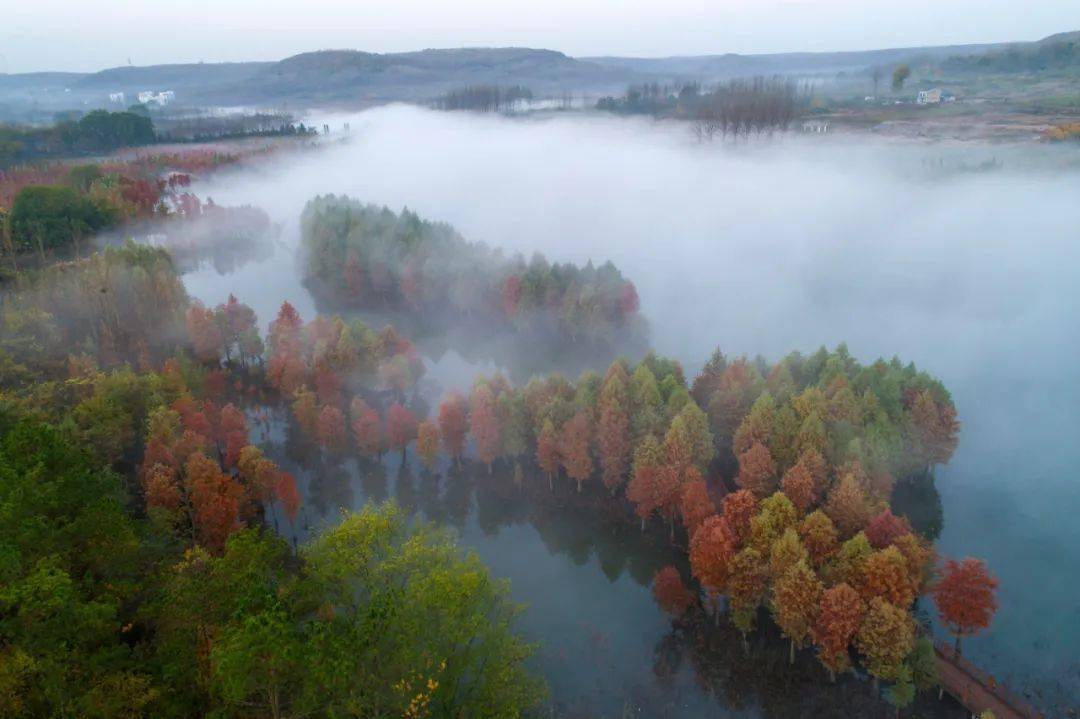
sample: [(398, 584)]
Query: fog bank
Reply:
[(896, 247)]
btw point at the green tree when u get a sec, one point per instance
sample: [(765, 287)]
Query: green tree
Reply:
[(899, 77)]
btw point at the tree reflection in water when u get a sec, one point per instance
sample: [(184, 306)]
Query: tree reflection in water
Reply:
[(697, 664)]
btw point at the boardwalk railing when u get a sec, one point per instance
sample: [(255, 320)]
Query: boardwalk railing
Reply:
[(988, 682)]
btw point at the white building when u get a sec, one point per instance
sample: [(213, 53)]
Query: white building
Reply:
[(929, 97), (163, 98), (117, 97)]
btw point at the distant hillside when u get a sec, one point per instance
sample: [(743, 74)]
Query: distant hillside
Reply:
[(170, 77), (1057, 53), (710, 68), (351, 75), (352, 78)]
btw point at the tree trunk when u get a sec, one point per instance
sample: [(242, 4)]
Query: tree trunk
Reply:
[(791, 652), (956, 647)]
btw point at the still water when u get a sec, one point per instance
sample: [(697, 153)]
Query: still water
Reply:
[(960, 257)]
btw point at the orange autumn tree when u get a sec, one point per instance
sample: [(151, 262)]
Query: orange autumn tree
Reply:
[(484, 424), (819, 536), (848, 506), (233, 433), (839, 617), (739, 508), (574, 449), (670, 593), (798, 485), (965, 597), (215, 501), (366, 428), (285, 368), (885, 574), (757, 470), (695, 504), (885, 527), (711, 551), (204, 332), (289, 496), (400, 427), (795, 603)]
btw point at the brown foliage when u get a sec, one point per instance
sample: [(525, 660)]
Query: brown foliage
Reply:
[(739, 508), (965, 596), (695, 503), (670, 593), (711, 551), (839, 616), (757, 471)]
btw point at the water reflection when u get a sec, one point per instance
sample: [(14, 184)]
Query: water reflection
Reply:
[(586, 569)]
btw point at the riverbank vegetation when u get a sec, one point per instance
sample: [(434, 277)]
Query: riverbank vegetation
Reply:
[(144, 578), (54, 210)]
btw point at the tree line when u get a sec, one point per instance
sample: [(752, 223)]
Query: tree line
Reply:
[(97, 131), (365, 256), (738, 107), (484, 98)]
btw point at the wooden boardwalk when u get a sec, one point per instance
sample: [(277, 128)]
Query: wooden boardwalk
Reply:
[(977, 690)]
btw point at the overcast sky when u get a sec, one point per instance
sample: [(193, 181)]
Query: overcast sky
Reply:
[(86, 35)]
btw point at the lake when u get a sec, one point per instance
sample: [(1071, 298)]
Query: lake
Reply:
[(958, 256)]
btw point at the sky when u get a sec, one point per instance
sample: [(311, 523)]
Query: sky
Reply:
[(77, 35)]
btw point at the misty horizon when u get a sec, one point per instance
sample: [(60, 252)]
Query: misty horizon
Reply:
[(35, 32)]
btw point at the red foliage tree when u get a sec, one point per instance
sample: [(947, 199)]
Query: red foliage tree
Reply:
[(287, 493), (965, 597), (739, 508), (400, 427), (711, 550), (453, 425), (331, 429), (204, 332), (695, 503), (574, 449), (215, 501), (670, 593), (643, 491), (885, 527), (757, 470), (798, 485), (839, 615), (366, 428), (233, 433)]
